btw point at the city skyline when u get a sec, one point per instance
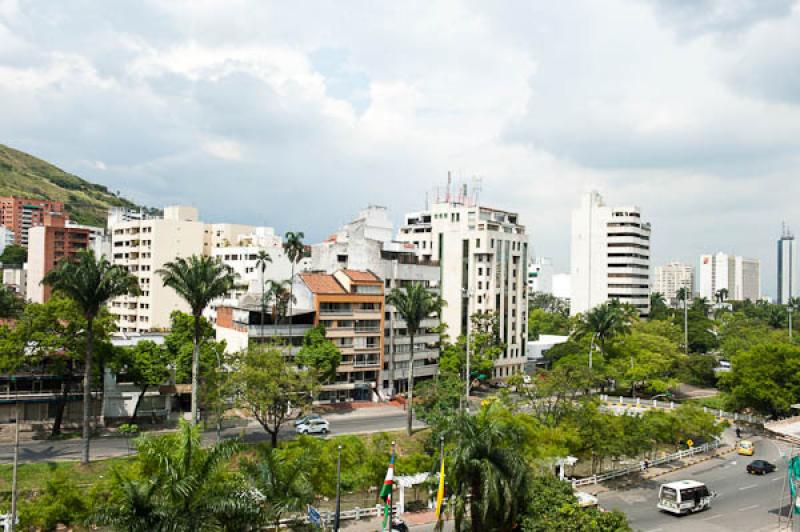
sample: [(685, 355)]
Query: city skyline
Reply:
[(310, 113)]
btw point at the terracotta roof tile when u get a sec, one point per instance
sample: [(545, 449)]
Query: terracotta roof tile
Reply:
[(322, 283), (362, 276)]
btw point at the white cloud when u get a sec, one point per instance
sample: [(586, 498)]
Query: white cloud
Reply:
[(228, 150)]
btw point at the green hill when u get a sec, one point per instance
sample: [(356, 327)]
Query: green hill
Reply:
[(26, 176)]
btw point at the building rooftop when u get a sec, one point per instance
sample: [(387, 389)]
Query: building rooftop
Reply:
[(362, 276), (322, 283)]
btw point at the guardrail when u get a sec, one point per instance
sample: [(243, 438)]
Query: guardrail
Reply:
[(594, 479), (669, 405), (344, 515)]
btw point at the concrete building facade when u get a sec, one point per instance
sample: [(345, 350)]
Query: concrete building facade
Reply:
[(6, 237), (671, 277), (610, 256), (20, 214), (144, 246), (366, 244), (540, 275), (483, 258), (787, 267), (49, 244), (740, 276)]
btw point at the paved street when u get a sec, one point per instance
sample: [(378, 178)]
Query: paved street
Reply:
[(744, 502), (366, 420)]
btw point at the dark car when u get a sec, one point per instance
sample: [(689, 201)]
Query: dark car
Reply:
[(760, 467)]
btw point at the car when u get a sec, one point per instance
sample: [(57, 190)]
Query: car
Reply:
[(760, 467), (745, 448), (313, 426), (306, 418)]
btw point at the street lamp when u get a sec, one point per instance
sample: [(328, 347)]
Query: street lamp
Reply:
[(468, 294), (591, 348)]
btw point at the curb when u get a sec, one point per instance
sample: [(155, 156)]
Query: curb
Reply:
[(705, 458)]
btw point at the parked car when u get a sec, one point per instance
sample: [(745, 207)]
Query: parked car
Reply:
[(313, 426), (760, 467), (306, 418)]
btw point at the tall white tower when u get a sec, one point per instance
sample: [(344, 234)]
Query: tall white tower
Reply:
[(787, 266)]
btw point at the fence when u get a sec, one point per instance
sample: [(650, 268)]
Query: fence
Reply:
[(594, 479), (669, 405), (344, 515)]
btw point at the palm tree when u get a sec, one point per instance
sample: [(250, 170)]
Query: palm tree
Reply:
[(683, 295), (487, 468), (414, 304), (90, 282), (262, 259), (198, 280), (603, 322), (295, 249), (279, 292), (283, 482)]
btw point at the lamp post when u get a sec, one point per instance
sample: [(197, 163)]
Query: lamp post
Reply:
[(13, 522), (338, 497), (468, 294)]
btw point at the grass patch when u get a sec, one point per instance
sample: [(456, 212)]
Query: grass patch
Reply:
[(715, 402), (32, 477)]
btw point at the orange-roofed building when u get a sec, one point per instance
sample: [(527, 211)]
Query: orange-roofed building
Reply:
[(349, 303)]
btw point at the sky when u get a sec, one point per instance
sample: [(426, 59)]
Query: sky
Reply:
[(299, 114)]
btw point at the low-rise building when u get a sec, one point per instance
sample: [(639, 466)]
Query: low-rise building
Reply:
[(21, 214)]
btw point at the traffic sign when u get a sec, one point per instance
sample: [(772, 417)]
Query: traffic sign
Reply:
[(313, 516), (690, 443)]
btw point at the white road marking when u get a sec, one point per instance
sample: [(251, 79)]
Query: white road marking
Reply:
[(746, 508), (748, 487), (776, 479), (712, 517), (655, 530)]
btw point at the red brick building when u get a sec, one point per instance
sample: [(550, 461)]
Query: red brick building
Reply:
[(20, 214), (49, 244)]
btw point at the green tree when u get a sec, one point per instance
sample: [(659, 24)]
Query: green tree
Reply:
[(198, 280), (658, 306), (269, 386), (646, 359), (765, 377), (487, 470), (147, 365), (604, 322), (11, 304), (549, 303), (61, 502), (279, 292), (90, 282), (542, 322), (14, 255), (319, 354), (282, 479), (262, 259), (295, 250), (414, 303)]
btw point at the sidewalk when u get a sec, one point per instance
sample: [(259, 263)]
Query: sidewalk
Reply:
[(415, 521)]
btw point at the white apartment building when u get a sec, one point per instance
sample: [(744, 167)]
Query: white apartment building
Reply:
[(610, 256), (671, 277), (740, 276), (787, 267), (6, 237), (118, 215), (562, 286), (540, 275), (143, 246), (483, 258), (366, 244)]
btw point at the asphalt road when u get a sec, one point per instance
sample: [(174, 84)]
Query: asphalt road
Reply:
[(358, 422), (743, 503)]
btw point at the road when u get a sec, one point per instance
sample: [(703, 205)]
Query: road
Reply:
[(358, 422), (744, 502)]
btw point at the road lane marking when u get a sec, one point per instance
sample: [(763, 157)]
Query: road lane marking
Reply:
[(655, 530), (746, 508), (712, 517), (748, 487), (776, 479)]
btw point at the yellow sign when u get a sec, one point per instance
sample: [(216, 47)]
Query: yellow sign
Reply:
[(690, 443)]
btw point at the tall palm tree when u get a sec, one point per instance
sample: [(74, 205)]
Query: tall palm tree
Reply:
[(723, 294), (90, 282), (262, 259), (198, 280), (683, 295), (295, 249), (284, 482), (603, 322), (414, 304), (487, 468)]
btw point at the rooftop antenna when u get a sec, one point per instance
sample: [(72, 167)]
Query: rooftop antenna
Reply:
[(463, 199), (426, 201), (449, 184), (477, 187)]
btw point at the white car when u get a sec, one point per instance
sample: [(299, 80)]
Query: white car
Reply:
[(313, 426)]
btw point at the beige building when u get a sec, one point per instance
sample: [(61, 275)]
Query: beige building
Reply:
[(670, 278), (144, 246)]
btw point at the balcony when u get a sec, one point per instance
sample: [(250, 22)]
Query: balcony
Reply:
[(372, 330), (268, 331)]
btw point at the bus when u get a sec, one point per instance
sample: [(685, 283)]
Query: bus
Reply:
[(684, 496)]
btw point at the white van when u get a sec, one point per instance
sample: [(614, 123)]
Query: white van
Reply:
[(684, 496)]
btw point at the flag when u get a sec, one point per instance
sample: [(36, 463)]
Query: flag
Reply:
[(440, 493), (386, 491)]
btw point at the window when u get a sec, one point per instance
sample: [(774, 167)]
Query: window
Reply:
[(477, 242)]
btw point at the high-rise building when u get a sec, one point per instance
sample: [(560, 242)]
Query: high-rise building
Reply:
[(366, 244), (483, 257), (540, 275), (610, 256), (671, 277), (787, 267), (49, 244), (6, 237), (740, 277), (349, 303), (143, 246), (20, 214)]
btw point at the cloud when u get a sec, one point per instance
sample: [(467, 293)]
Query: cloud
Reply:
[(298, 116)]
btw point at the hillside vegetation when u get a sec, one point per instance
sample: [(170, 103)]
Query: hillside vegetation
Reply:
[(24, 175)]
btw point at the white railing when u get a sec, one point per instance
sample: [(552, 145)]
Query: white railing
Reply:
[(594, 479), (344, 515), (669, 405)]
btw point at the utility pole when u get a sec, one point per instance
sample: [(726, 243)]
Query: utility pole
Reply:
[(13, 522), (685, 322), (338, 497), (468, 293)]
